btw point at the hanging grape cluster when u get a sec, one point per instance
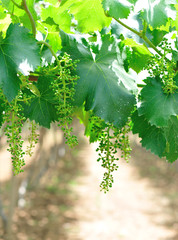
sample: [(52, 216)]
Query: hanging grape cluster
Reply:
[(32, 138), (110, 140), (165, 69), (14, 122), (62, 79), (63, 85), (13, 119)]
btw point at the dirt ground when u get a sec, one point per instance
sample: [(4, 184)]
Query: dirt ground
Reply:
[(68, 204), (133, 209)]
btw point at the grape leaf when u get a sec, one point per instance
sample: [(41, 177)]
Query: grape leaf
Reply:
[(62, 18), (89, 14), (2, 13), (171, 133), (51, 32), (53, 2), (140, 55), (98, 86), (17, 47), (42, 107), (7, 4), (138, 60), (156, 35), (139, 47), (117, 8), (133, 1), (4, 24), (156, 105), (19, 15), (152, 137), (176, 21), (127, 79), (157, 12)]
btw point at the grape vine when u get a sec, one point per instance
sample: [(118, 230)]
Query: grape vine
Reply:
[(58, 59)]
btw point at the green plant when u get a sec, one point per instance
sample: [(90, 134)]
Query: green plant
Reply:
[(110, 139), (87, 63)]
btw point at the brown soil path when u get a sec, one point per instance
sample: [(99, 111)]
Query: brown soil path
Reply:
[(132, 210)]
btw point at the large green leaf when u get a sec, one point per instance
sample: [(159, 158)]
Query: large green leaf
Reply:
[(117, 8), (156, 105), (42, 107), (171, 133), (157, 12), (98, 86), (152, 137), (17, 47), (89, 14)]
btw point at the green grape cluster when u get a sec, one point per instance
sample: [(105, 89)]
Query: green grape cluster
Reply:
[(26, 99), (160, 66), (122, 139), (14, 119), (110, 140), (32, 138), (63, 85)]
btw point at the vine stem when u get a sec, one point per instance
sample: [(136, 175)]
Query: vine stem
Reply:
[(50, 48), (154, 47), (142, 35), (32, 21), (43, 44), (126, 26), (24, 7)]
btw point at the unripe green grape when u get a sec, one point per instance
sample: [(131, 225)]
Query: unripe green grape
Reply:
[(110, 140), (63, 86), (159, 66)]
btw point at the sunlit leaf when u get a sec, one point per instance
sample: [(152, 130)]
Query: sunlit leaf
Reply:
[(42, 107), (18, 46), (117, 8), (98, 87)]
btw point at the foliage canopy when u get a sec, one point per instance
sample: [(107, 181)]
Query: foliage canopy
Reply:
[(112, 63)]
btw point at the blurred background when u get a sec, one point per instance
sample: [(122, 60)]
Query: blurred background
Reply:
[(58, 196)]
